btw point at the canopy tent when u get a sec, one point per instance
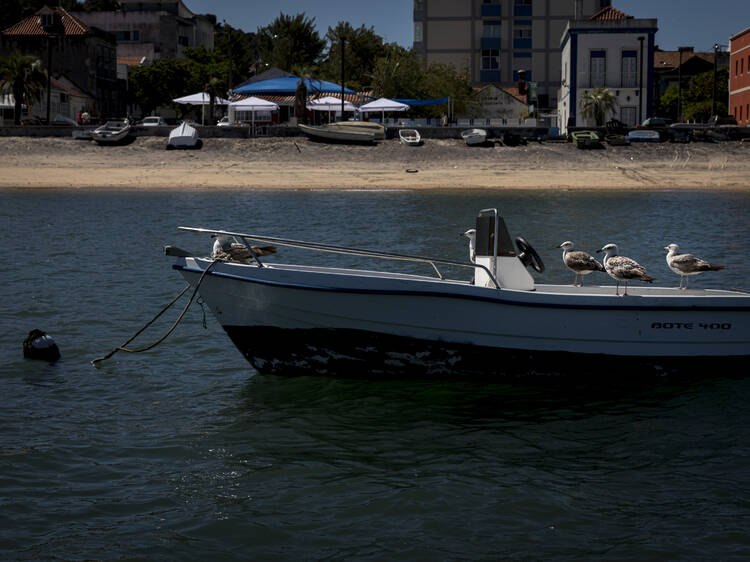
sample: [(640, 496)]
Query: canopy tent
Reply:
[(329, 103), (251, 104), (288, 86), (382, 105), (203, 99)]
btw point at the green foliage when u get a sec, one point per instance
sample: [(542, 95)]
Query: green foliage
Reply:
[(362, 48), (668, 103), (404, 74), (698, 99), (289, 42), (24, 77), (159, 82), (597, 103)]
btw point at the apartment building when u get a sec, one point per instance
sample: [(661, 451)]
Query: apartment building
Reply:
[(612, 50), (495, 39), (739, 77), (152, 29)]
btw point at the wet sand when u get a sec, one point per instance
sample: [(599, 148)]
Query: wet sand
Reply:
[(299, 163)]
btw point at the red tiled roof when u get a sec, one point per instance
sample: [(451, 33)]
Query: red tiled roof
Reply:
[(32, 25), (610, 14), (671, 59)]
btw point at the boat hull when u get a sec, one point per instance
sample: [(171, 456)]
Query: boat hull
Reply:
[(285, 318)]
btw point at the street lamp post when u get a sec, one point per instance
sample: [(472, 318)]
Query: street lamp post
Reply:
[(679, 83), (640, 84), (713, 98)]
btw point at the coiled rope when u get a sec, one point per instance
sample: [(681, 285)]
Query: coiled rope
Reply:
[(122, 347)]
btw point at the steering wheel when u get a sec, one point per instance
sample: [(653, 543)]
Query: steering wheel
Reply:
[(528, 255)]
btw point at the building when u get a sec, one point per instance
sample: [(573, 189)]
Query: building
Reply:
[(67, 47), (153, 29), (739, 77), (495, 39), (502, 103), (613, 50)]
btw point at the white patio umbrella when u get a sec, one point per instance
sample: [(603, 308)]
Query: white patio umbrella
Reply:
[(329, 103), (202, 99), (251, 104), (382, 105)]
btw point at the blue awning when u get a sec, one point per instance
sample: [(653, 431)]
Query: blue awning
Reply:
[(288, 85), (423, 102)]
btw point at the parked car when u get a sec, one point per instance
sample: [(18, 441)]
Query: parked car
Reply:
[(656, 123), (153, 122), (223, 122)]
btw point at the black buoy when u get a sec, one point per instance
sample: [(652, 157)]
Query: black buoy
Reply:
[(40, 346)]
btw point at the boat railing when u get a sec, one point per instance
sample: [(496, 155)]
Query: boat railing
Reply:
[(334, 249)]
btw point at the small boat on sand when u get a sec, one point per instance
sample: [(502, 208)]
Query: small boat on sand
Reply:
[(643, 135), (474, 137), (364, 126), (410, 137), (338, 134), (586, 139), (113, 132), (311, 317), (184, 136)]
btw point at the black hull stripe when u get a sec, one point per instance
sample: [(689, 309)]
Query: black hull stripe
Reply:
[(496, 300)]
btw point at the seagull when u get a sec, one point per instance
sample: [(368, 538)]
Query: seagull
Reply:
[(579, 262), (621, 268), (471, 234), (225, 249), (686, 265)]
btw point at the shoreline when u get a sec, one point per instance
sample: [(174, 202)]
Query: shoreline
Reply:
[(301, 164)]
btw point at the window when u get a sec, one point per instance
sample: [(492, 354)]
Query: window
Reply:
[(598, 68), (522, 38), (418, 38), (46, 20), (491, 28), (522, 8), (182, 40), (122, 36), (629, 69), (490, 59), (419, 5), (742, 66)]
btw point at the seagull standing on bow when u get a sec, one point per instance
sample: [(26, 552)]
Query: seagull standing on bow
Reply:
[(580, 262), (621, 268), (686, 265), (471, 234), (226, 249)]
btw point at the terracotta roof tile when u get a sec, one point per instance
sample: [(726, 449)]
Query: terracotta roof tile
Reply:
[(671, 59), (610, 14), (32, 26), (131, 61)]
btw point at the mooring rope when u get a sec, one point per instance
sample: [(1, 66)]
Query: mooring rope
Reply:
[(162, 311)]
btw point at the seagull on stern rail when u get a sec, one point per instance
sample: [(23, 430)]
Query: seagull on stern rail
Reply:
[(226, 249)]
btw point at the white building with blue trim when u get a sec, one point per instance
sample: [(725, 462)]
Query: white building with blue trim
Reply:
[(611, 50)]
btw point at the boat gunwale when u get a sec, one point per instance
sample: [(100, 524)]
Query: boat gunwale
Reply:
[(496, 296)]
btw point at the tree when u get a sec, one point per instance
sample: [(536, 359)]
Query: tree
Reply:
[(669, 102), (404, 74), (362, 48), (24, 77), (597, 103), (162, 80), (697, 100), (289, 41)]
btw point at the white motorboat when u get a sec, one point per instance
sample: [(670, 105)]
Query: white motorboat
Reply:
[(473, 137), (318, 319), (410, 137), (184, 136), (338, 134), (112, 132), (643, 135)]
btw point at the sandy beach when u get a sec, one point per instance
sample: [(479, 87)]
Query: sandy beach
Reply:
[(299, 163)]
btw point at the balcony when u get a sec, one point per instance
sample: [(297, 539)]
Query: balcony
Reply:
[(492, 10), (522, 43), (522, 11)]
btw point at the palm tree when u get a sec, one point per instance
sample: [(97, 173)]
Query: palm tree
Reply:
[(215, 89), (597, 104), (24, 77)]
